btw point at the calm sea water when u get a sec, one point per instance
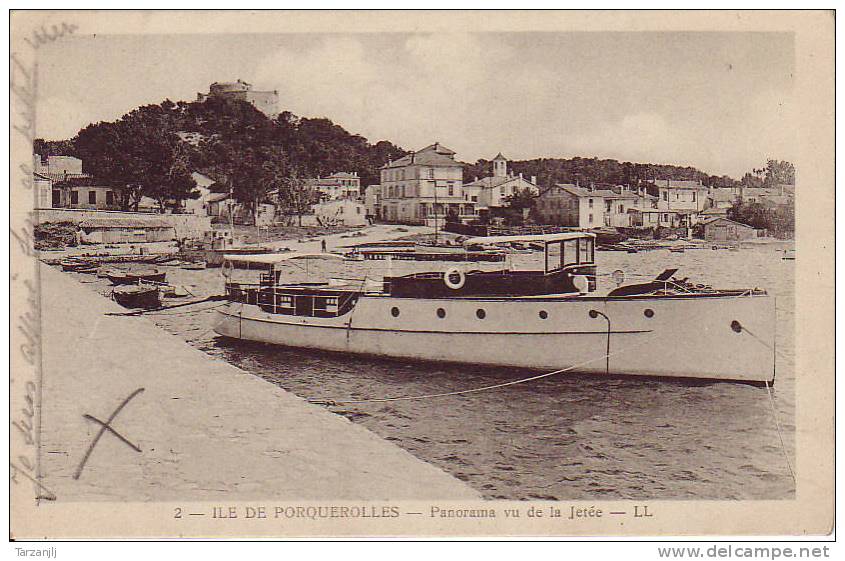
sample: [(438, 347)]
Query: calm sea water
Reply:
[(562, 437)]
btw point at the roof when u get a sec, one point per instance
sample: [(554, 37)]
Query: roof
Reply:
[(678, 184), (717, 218), (715, 210), (499, 157), (492, 182), (434, 155), (124, 222), (214, 197), (57, 177), (528, 238), (344, 175), (604, 193)]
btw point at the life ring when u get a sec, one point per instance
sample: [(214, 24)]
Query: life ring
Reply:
[(581, 283), (227, 268), (454, 285)]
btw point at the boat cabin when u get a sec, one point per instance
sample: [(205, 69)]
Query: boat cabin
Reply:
[(568, 269)]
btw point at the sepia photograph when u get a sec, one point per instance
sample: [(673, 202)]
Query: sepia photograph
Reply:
[(417, 274)]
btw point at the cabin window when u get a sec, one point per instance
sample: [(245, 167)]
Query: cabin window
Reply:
[(394, 311), (649, 313), (441, 313), (543, 314), (480, 314), (585, 250), (570, 252), (554, 256)]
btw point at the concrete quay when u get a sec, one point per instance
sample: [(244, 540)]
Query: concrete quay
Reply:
[(206, 430)]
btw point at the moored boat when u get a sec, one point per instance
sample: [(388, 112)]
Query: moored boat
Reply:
[(553, 318), (135, 276), (137, 296)]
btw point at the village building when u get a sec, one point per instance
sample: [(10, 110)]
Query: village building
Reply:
[(340, 212), (425, 187), (491, 192), (372, 202), (119, 229), (721, 198), (265, 101), (679, 204), (60, 183), (721, 229), (340, 185), (187, 206), (566, 204)]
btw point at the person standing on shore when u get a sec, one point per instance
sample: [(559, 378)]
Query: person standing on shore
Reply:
[(323, 245)]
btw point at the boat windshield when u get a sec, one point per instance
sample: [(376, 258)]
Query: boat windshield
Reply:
[(564, 253)]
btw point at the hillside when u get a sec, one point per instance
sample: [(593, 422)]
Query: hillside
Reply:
[(152, 150)]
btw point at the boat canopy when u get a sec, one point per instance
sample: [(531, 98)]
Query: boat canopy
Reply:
[(543, 238), (275, 258)]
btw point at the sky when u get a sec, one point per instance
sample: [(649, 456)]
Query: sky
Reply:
[(722, 102)]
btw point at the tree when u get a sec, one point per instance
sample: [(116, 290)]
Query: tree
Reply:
[(779, 172), (297, 195)]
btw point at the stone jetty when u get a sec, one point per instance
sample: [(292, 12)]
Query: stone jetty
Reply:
[(194, 428)]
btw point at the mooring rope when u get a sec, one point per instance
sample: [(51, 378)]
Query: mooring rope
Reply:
[(780, 434), (738, 327), (481, 389), (214, 298)]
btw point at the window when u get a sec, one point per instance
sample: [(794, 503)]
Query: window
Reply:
[(357, 210), (110, 198), (451, 191), (431, 173), (591, 219), (590, 201), (474, 199), (621, 209), (666, 196), (92, 197), (693, 196), (74, 197)]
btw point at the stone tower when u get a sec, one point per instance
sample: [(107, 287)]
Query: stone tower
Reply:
[(500, 166)]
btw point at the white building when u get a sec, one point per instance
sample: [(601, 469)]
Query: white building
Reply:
[(425, 187), (346, 212), (585, 207), (339, 185), (492, 192)]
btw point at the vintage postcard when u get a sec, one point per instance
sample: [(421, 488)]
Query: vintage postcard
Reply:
[(435, 273)]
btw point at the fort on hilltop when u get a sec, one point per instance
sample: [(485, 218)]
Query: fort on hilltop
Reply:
[(265, 101)]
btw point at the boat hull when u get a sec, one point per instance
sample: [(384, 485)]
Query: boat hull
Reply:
[(687, 337)]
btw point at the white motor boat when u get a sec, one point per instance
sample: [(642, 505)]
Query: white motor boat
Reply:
[(549, 319)]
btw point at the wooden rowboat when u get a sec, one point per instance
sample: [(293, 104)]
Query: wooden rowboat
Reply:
[(136, 276), (137, 296)]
